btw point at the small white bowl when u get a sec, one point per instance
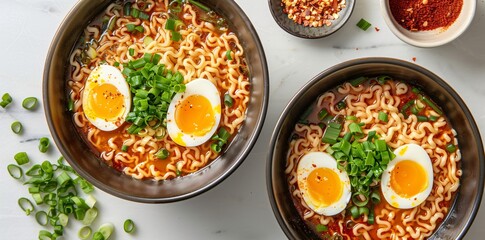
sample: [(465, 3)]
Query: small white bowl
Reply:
[(431, 38)]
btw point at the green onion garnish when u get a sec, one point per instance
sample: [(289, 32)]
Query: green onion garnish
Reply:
[(45, 235), (129, 226), (433, 118), (15, 171), (98, 236), (84, 232), (228, 55), (228, 101), (21, 158), (44, 144), (16, 127), (321, 228), (216, 148), (70, 105), (363, 211), (383, 117), (422, 118), (29, 103), (144, 16), (106, 230), (135, 12), (351, 118), (130, 27), (354, 212), (131, 51), (162, 153), (124, 148), (322, 114), (6, 100), (170, 24), (383, 79), (200, 5), (357, 81), (431, 104), (176, 36), (451, 148), (26, 205), (90, 215), (363, 24), (341, 105), (41, 218)]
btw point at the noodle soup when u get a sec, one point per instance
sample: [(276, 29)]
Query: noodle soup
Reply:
[(158, 89), (373, 158)]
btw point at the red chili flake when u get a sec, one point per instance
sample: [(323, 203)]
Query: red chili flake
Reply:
[(377, 29), (414, 59)]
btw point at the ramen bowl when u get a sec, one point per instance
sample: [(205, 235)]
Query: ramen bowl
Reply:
[(467, 200), (431, 38), (299, 30), (89, 165)]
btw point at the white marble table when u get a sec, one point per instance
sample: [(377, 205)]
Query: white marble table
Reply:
[(238, 208)]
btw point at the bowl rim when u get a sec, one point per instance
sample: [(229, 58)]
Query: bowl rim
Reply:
[(284, 224), (288, 30), (395, 28), (251, 141)]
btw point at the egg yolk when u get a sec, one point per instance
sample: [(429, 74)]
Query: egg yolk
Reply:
[(106, 101), (194, 115), (324, 186), (408, 178)]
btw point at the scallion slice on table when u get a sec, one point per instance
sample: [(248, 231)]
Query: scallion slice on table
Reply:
[(129, 226), (44, 144), (84, 232), (15, 171), (16, 127), (363, 24), (6, 100), (26, 205), (21, 158), (106, 230), (30, 103)]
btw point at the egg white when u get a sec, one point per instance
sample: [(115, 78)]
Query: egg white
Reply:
[(201, 87), (312, 161), (100, 75), (414, 153)]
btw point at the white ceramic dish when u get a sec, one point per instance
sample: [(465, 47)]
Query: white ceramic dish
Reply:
[(431, 38)]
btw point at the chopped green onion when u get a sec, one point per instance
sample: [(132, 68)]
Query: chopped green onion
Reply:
[(431, 104), (147, 40), (416, 90), (375, 198), (30, 103), (406, 106), (84, 232), (90, 215), (162, 153), (26, 205), (422, 118), (21, 158), (433, 118), (363, 211), (351, 118), (44, 144), (216, 148), (359, 199), (451, 148), (322, 114), (41, 218), (45, 235), (63, 219), (321, 228), (355, 128), (144, 16), (363, 24), (130, 27), (330, 135), (228, 55), (90, 201), (131, 51), (170, 24), (354, 212), (200, 5), (16, 127), (70, 105), (15, 171), (383, 79), (140, 29), (176, 36), (106, 230), (370, 217), (98, 236), (228, 101), (129, 226), (414, 110), (37, 198), (135, 12), (383, 117), (341, 105), (357, 81), (124, 148), (6, 100)]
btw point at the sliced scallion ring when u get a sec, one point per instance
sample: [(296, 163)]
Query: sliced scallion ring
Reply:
[(44, 144), (6, 100), (26, 205), (15, 171), (30, 103), (21, 158), (129, 226), (45, 235), (84, 232), (106, 229), (16, 127), (90, 215), (63, 219), (228, 55), (41, 218)]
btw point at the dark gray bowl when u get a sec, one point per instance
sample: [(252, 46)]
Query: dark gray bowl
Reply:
[(106, 178), (470, 192), (309, 32)]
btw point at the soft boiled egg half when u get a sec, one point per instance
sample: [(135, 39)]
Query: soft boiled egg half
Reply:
[(324, 188), (408, 179), (194, 115), (106, 98)]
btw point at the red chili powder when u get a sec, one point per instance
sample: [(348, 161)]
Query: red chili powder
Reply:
[(419, 15)]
